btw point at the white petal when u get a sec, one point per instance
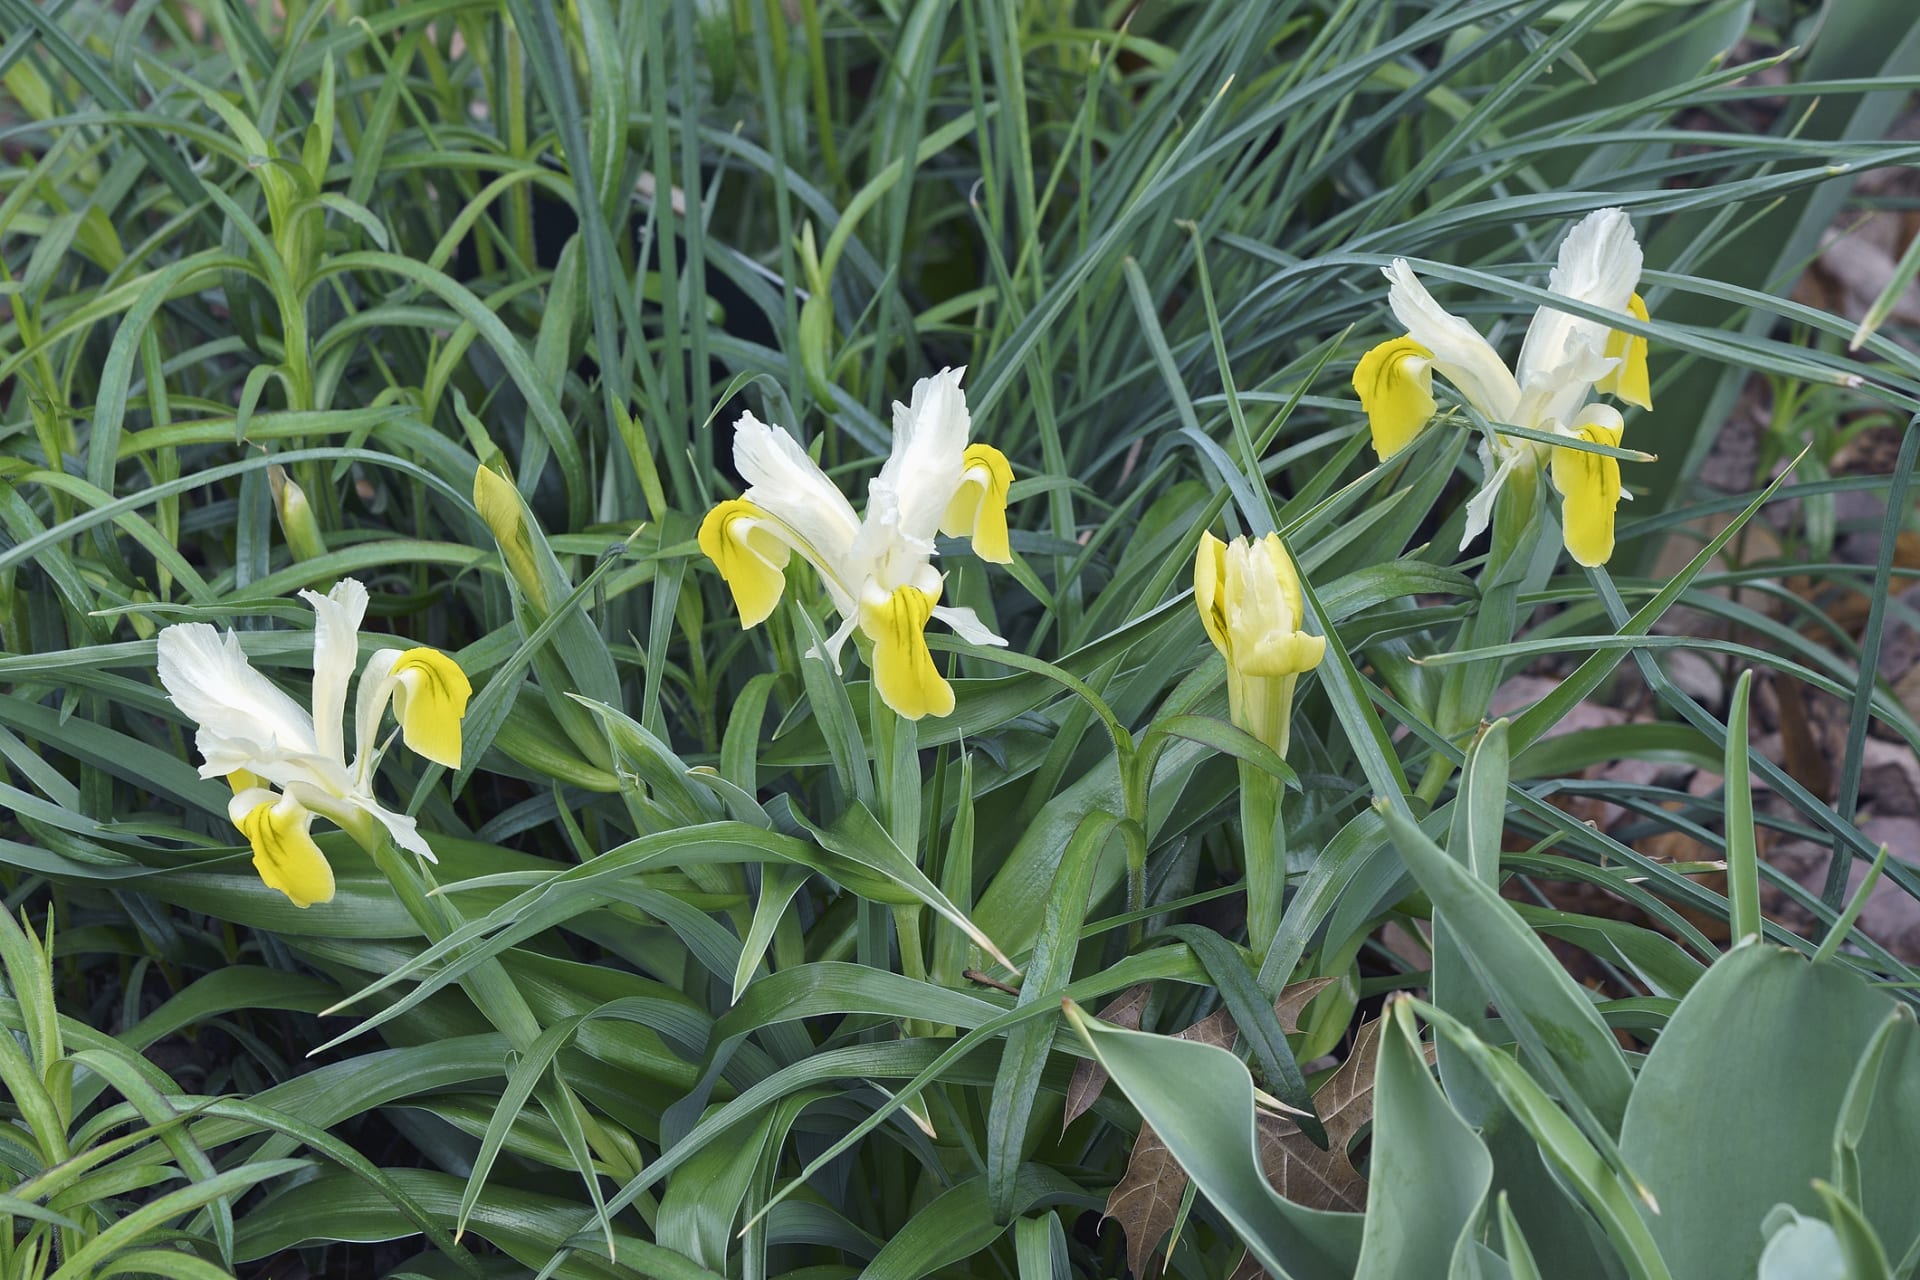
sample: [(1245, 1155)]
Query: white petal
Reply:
[(336, 652), (1480, 507), (966, 624), (369, 710), (1460, 354), (404, 830), (786, 484), (1552, 396), (1599, 265), (923, 472), (242, 715), (828, 650)]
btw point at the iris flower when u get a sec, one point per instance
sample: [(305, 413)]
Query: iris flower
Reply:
[(287, 764), (1250, 602), (1562, 361), (877, 568)]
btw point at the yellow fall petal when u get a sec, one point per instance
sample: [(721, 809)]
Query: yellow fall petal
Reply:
[(284, 853), (903, 669), (751, 560), (979, 508), (1395, 384), (429, 699), (1209, 589), (1589, 485), (1281, 654), (1628, 379)]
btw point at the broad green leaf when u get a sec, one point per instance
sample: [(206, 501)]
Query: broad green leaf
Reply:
[(1199, 1098), (1780, 1037), (1429, 1174)]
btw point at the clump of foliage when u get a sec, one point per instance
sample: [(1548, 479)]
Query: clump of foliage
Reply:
[(724, 966)]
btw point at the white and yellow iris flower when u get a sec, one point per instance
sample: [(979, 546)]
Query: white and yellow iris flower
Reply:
[(1250, 602), (877, 568), (1563, 359), (287, 764)]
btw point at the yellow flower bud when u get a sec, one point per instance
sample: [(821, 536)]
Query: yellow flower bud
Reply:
[(506, 516), (1250, 602)]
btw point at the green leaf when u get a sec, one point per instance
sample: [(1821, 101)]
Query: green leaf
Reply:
[(1199, 1099), (1743, 855), (1606, 1190), (1430, 1172), (1781, 1039), (1025, 1055), (1547, 1011)]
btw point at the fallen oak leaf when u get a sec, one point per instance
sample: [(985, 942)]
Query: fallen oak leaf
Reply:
[(1146, 1201), (1089, 1077), (1303, 1172)]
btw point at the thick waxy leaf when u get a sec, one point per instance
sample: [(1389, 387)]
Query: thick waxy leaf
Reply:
[(1780, 1039), (1430, 1172), (1200, 1099)]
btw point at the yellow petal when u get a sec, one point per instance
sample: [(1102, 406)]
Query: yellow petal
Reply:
[(1282, 653), (1395, 384), (1280, 564), (979, 508), (283, 853), (1628, 379), (1209, 588), (429, 699), (1589, 485), (752, 561), (903, 669)]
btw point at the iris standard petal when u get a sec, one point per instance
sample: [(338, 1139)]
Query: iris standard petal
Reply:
[(979, 508), (430, 695), (404, 830), (283, 852), (740, 540), (923, 471), (1460, 354), (903, 669), (1499, 468), (1599, 264), (1395, 384), (242, 716), (1628, 379), (789, 487), (1589, 485), (336, 652)]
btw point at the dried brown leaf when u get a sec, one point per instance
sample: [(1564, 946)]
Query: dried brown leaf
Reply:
[(1294, 1001), (1089, 1077), (1302, 1172), (1806, 763), (1146, 1201)]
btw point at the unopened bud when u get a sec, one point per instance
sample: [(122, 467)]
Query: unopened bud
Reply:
[(506, 516), (297, 523)]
